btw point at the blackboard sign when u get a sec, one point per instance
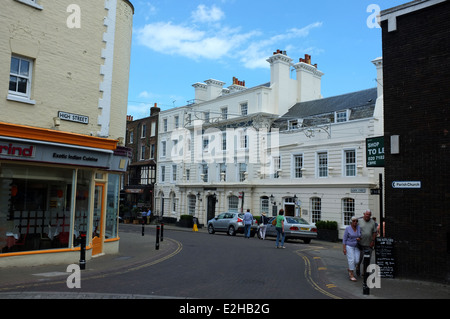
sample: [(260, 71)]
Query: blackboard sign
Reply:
[(384, 256)]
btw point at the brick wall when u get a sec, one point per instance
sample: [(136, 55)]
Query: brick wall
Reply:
[(416, 70)]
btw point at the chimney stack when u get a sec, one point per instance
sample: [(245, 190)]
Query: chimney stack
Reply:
[(129, 118), (308, 80)]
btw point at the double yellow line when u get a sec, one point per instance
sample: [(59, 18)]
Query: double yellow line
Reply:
[(310, 280)]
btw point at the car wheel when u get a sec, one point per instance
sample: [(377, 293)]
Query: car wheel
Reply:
[(231, 231), (306, 240), (211, 229)]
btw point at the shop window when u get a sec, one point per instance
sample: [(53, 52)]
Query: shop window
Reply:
[(112, 206), (35, 207)]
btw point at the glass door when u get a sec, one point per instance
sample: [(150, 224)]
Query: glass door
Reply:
[(98, 220)]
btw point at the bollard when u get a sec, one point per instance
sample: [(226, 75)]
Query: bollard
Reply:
[(162, 231), (142, 227), (366, 263), (83, 250), (157, 238)]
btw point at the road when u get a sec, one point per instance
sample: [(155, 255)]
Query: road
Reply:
[(214, 267)]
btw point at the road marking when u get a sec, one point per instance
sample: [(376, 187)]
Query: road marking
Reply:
[(179, 247), (310, 280)]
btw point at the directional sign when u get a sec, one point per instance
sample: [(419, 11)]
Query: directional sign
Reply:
[(407, 184)]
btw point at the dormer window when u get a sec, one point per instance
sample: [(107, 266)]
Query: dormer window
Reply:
[(341, 116)]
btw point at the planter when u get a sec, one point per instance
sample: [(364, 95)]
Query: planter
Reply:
[(328, 234)]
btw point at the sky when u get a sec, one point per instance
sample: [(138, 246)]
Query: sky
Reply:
[(177, 43)]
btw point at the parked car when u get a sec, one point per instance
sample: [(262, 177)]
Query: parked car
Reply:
[(294, 228), (231, 223)]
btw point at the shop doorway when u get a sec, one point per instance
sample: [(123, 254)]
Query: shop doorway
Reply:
[(98, 220)]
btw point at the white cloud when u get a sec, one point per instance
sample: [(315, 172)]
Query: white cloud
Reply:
[(164, 37), (204, 14), (215, 42)]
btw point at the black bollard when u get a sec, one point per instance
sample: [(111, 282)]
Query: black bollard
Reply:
[(366, 263), (142, 228), (83, 250), (162, 231), (157, 238)]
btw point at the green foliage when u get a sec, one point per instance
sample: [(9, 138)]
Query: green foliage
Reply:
[(327, 224)]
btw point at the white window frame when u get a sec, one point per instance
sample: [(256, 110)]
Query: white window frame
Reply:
[(143, 130), (163, 149), (244, 108), (174, 173), (347, 166), (163, 174), (18, 96), (224, 113), (341, 116), (295, 169), (276, 166), (322, 167), (348, 210)]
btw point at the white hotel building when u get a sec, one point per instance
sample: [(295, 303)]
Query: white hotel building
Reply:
[(276, 145)]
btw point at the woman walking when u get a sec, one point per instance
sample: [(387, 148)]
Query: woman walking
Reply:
[(280, 228), (352, 235)]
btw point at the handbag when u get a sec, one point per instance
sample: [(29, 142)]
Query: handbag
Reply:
[(274, 222)]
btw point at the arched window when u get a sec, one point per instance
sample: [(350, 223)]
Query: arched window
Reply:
[(264, 203), (316, 209), (233, 203), (192, 199), (348, 209)]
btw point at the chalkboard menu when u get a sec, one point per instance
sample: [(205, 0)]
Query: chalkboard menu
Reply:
[(384, 256)]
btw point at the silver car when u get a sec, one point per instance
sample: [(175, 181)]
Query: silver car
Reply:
[(231, 223), (294, 228)]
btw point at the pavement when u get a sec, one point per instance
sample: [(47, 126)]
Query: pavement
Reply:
[(324, 259)]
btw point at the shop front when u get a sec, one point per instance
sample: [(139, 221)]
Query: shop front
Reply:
[(51, 192)]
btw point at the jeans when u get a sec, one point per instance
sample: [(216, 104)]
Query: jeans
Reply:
[(280, 232), (247, 230)]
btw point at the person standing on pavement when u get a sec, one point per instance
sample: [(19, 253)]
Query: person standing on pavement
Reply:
[(368, 235), (149, 214), (248, 221), (262, 226), (352, 236), (143, 215), (280, 228)]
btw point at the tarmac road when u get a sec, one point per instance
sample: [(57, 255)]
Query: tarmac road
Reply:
[(201, 266), (198, 265)]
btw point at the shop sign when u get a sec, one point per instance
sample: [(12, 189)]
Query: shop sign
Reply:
[(375, 151), (73, 117), (16, 150)]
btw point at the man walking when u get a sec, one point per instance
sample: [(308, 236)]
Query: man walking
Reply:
[(248, 221), (368, 234)]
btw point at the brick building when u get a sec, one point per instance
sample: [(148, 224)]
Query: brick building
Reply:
[(142, 139), (416, 55), (63, 99)]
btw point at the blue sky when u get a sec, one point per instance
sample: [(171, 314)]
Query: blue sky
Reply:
[(177, 43)]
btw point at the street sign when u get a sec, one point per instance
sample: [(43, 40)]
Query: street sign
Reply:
[(375, 191), (407, 184), (375, 151)]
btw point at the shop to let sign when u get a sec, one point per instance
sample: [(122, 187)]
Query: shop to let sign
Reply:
[(375, 151)]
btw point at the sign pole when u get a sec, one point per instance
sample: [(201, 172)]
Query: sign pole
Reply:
[(381, 205)]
